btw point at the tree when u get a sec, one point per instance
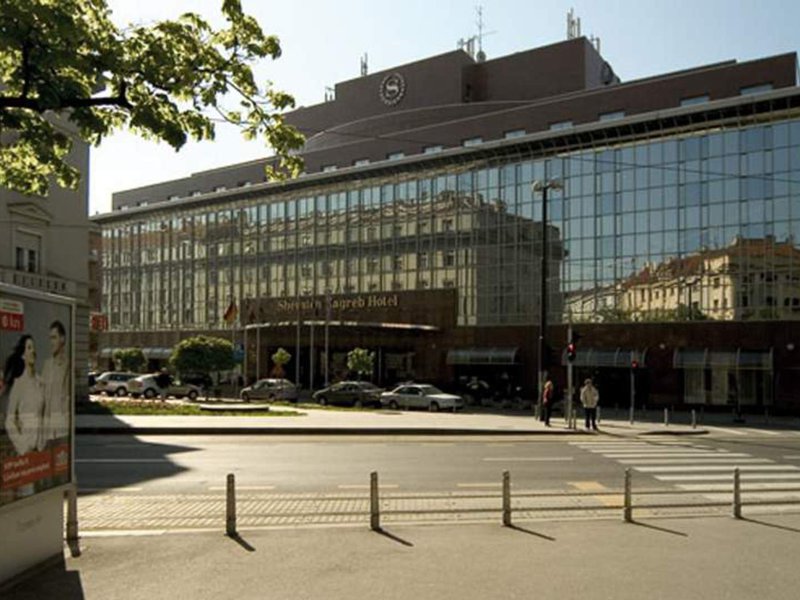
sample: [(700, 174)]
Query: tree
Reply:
[(202, 355), (280, 358), (65, 60), (361, 361), (130, 359)]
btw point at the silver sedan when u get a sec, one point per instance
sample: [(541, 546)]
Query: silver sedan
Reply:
[(419, 395)]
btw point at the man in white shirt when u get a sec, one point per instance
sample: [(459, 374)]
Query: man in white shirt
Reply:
[(55, 384), (590, 397)]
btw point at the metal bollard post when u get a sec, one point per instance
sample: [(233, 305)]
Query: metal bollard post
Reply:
[(374, 503), (694, 419), (666, 417), (627, 511), (72, 513), (230, 506), (737, 495), (506, 499)]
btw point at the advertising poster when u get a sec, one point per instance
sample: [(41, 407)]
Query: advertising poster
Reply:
[(35, 395)]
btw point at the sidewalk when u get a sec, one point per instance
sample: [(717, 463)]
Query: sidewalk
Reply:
[(379, 422), (710, 558)]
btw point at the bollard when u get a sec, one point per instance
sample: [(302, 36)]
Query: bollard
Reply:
[(374, 503), (230, 506), (666, 417), (506, 499), (72, 513), (694, 419), (737, 495), (627, 511)]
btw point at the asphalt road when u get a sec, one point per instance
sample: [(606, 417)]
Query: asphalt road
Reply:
[(196, 465)]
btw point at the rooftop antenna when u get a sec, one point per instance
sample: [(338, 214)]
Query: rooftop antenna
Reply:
[(330, 93), (468, 44), (364, 65), (573, 25)]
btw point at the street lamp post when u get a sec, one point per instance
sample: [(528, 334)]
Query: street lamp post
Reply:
[(543, 187)]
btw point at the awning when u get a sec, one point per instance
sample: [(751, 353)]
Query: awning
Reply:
[(703, 358), (617, 358), (483, 356)]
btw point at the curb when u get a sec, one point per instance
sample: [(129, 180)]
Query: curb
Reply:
[(314, 431)]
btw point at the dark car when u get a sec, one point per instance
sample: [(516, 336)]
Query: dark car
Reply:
[(350, 393), (201, 380)]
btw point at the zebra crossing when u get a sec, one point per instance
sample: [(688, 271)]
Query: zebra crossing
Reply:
[(695, 467)]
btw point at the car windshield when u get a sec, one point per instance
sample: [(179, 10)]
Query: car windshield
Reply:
[(430, 389)]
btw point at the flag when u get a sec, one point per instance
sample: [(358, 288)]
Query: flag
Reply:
[(230, 315)]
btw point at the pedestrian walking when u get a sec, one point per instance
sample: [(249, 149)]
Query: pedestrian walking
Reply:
[(590, 398), (163, 381), (547, 402)]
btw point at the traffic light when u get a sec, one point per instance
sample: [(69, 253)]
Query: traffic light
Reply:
[(634, 364), (571, 351)]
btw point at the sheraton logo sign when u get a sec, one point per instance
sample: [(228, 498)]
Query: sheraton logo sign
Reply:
[(367, 302)]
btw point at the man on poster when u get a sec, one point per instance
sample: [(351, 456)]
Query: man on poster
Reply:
[(55, 384)]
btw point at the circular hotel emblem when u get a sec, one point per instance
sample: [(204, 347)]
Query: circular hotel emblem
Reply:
[(393, 88)]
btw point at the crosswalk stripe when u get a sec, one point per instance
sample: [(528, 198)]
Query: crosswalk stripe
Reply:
[(760, 431), (675, 469), (689, 487), (691, 461), (725, 430), (729, 477), (699, 454)]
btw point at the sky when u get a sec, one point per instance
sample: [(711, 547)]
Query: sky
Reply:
[(323, 42)]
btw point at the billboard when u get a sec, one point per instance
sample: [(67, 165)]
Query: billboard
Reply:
[(36, 394)]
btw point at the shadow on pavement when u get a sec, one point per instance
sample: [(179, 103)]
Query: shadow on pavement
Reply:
[(95, 454), (530, 532), (242, 542), (657, 528), (394, 538), (766, 524), (52, 582)]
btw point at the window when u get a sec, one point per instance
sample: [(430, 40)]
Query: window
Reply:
[(20, 262), (691, 101), (397, 262), (473, 141), (449, 259), (612, 116), (755, 89), (395, 155), (514, 133), (422, 260), (560, 125), (447, 224), (372, 264), (432, 149), (449, 283)]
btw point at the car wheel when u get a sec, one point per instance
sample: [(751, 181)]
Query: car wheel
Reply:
[(323, 401), (149, 393), (393, 405), (434, 407), (192, 395), (121, 392), (246, 397)]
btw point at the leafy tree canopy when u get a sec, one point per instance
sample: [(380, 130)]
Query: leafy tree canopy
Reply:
[(203, 354), (65, 68), (361, 361), (130, 359), (280, 358)]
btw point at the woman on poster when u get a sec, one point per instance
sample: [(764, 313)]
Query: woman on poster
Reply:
[(25, 412)]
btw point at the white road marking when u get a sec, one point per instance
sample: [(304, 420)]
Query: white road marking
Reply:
[(743, 476), (529, 459), (700, 454), (122, 460), (366, 486), (248, 488), (478, 485), (761, 431), (675, 469), (750, 486), (792, 456), (725, 430), (696, 461)]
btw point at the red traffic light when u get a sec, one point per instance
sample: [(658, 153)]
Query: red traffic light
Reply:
[(570, 352), (634, 364)]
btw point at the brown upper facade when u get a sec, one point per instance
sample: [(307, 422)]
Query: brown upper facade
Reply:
[(451, 100)]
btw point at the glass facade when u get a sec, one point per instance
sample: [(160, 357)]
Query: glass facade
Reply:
[(700, 225)]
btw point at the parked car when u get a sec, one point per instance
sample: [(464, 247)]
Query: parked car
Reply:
[(145, 385), (114, 383), (201, 380), (270, 389), (421, 396), (350, 393)]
